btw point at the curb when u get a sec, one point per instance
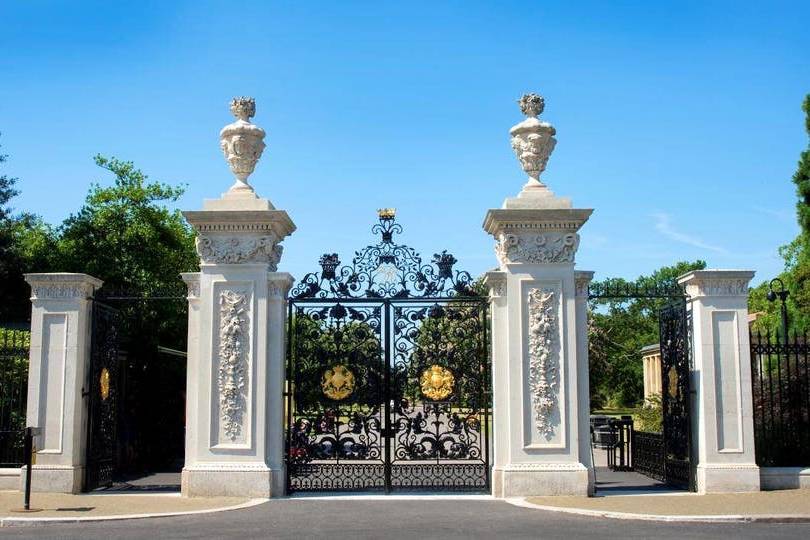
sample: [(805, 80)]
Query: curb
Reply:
[(33, 521), (719, 518)]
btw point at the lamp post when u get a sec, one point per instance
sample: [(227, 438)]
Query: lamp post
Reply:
[(782, 294)]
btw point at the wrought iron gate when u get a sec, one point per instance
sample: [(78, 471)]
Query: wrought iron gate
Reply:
[(675, 394), (102, 392), (665, 456), (387, 374)]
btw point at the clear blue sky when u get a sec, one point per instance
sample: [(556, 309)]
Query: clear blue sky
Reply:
[(679, 123)]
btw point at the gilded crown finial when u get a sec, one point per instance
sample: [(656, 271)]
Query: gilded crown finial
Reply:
[(387, 213)]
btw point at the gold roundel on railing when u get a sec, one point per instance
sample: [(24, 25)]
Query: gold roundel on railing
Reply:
[(337, 382), (437, 382), (104, 384)]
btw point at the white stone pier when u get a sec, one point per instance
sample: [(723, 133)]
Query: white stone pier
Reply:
[(61, 309), (236, 335), (722, 408), (539, 333)]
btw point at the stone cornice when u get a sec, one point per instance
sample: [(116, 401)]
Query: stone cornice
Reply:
[(701, 283), (241, 221), (60, 286), (500, 220)]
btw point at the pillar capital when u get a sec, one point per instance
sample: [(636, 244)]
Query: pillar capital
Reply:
[(535, 235), (700, 283), (62, 286)]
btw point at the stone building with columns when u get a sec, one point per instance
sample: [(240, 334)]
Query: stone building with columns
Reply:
[(237, 429)]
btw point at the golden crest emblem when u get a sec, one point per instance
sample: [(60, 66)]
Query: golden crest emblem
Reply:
[(437, 382), (104, 384), (337, 382)]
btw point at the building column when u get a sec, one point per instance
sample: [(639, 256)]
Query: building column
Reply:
[(539, 331), (722, 406), (237, 323), (61, 319)]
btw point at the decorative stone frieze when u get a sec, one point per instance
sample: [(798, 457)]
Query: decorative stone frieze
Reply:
[(242, 142), (59, 286), (543, 369), (716, 283), (239, 249), (232, 372), (536, 248)]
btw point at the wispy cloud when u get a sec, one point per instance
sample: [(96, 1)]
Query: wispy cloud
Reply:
[(781, 214), (663, 224)]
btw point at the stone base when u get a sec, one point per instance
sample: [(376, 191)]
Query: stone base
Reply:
[(772, 478), (541, 479), (727, 478), (231, 480), (53, 478), (9, 479)]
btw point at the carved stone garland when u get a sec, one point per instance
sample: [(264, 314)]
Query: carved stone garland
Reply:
[(536, 248), (233, 339), (233, 250), (542, 366)]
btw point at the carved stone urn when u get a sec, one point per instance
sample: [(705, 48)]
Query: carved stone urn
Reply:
[(242, 142), (533, 140)]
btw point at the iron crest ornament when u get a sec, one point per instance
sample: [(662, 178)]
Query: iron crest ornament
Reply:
[(386, 270), (437, 383), (338, 382)]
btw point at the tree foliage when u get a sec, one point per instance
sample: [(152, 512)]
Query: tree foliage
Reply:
[(125, 235), (796, 254), (618, 329)]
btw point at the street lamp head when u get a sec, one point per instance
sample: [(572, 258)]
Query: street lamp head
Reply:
[(781, 293)]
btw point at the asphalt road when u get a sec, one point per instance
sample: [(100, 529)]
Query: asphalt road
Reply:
[(394, 519)]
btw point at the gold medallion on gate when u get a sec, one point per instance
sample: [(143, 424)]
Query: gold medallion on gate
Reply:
[(337, 382), (437, 382), (104, 384)]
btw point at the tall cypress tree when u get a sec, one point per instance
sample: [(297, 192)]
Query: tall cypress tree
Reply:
[(802, 178)]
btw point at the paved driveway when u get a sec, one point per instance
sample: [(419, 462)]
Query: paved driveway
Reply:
[(394, 519)]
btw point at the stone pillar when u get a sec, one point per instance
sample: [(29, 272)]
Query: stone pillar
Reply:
[(57, 375), (722, 408), (237, 316), (539, 340)]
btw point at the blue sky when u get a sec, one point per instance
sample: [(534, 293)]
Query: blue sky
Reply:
[(679, 123)]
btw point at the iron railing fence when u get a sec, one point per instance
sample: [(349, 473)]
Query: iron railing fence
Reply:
[(14, 345), (648, 453), (620, 451), (781, 387)]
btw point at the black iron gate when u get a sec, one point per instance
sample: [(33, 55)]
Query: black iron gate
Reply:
[(675, 394), (102, 392), (665, 456), (387, 374)]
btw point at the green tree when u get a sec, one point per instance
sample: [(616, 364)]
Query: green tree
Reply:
[(796, 254), (619, 328), (125, 235)]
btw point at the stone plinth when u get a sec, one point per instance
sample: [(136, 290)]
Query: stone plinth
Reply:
[(58, 371), (539, 348), (722, 408), (237, 313)]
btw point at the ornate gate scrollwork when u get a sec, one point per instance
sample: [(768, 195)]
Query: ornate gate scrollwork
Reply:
[(388, 373), (103, 397)]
